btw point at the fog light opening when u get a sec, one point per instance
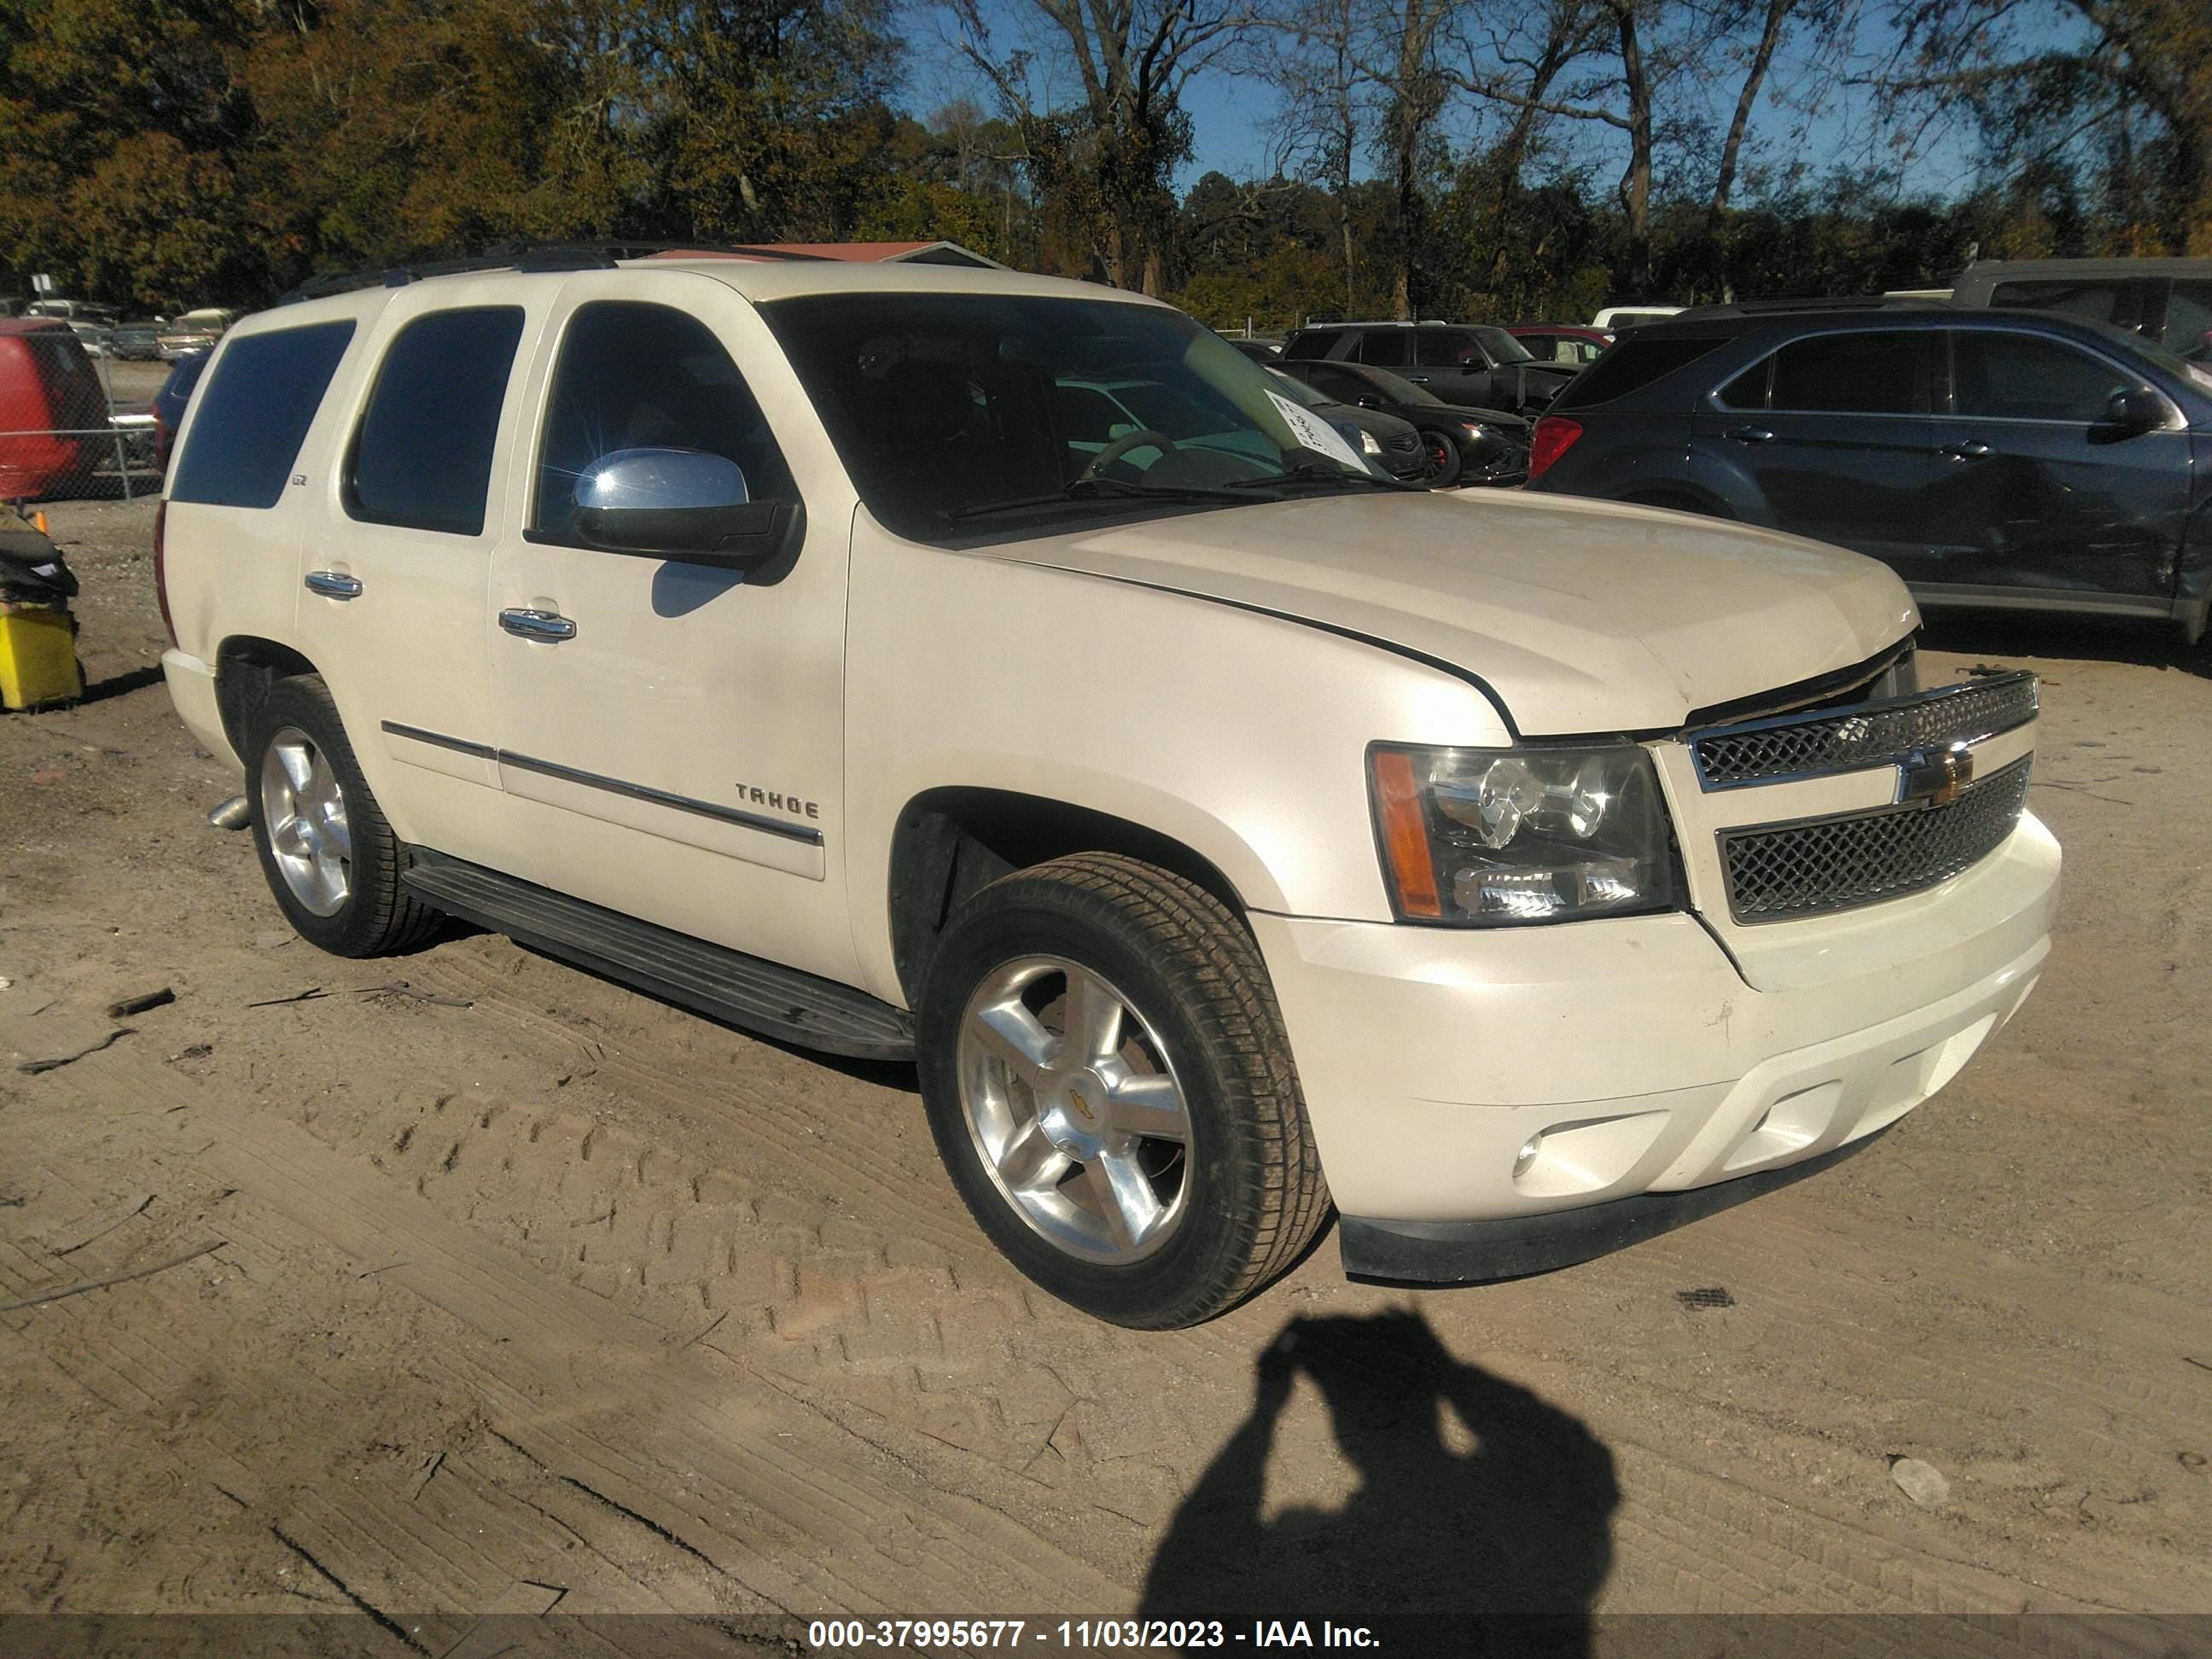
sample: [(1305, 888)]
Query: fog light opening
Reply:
[(1527, 1154)]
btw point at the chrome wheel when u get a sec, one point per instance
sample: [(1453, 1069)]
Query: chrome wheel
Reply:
[(303, 812), (1072, 1101)]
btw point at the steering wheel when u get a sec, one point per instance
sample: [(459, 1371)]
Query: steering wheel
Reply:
[(1121, 446)]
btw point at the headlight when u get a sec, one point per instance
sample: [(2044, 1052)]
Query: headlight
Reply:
[(1491, 837), (1369, 443)]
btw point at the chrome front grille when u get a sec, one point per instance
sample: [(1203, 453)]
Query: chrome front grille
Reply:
[(1873, 735), (1783, 870)]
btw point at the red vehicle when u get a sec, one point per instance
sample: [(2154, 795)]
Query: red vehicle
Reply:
[(1562, 342), (49, 394)]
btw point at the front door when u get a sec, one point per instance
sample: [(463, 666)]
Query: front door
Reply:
[(1829, 435), (671, 732), (2034, 491)]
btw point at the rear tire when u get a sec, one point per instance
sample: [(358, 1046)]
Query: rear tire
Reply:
[(331, 860), (1157, 1168), (1444, 460)]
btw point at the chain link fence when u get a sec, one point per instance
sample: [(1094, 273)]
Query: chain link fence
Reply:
[(74, 426)]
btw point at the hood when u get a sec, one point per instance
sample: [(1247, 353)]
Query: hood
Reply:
[(1581, 616)]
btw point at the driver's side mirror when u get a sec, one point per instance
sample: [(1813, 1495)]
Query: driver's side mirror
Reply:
[(682, 504), (2135, 410)]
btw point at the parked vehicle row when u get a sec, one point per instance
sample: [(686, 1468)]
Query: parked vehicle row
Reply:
[(1459, 442), (100, 329), (1479, 365)]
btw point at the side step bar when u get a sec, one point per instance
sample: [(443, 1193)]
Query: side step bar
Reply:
[(726, 985)]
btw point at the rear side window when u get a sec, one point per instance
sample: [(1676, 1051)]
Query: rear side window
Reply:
[(1385, 347), (1849, 375), (2189, 319), (2114, 300), (2018, 377), (254, 412), (1632, 363), (1313, 343), (422, 457)]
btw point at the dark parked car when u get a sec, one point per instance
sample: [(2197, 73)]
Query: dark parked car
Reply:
[(1576, 344), (169, 402), (1384, 440), (1995, 458), (1475, 365), (139, 342), (2169, 300), (1461, 444)]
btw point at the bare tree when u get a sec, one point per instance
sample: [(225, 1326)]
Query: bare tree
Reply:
[(1312, 58), (1112, 155)]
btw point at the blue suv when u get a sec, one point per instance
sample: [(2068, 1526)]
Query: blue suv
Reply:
[(1994, 459)]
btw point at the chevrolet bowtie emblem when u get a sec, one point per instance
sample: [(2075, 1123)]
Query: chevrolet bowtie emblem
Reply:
[(1934, 777)]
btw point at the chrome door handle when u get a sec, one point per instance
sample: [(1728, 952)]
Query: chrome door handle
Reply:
[(1749, 434), (332, 585), (1418, 380), (1972, 450), (527, 624)]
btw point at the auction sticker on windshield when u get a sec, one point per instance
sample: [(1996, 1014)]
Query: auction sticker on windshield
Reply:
[(1316, 433)]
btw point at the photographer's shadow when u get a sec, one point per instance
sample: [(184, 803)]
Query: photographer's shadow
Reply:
[(1519, 1525)]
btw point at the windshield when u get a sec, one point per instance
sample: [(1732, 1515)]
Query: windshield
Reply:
[(949, 407), (1502, 347)]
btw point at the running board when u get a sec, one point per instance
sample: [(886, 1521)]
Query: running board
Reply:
[(726, 985)]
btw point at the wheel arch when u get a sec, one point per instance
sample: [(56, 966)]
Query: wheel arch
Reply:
[(246, 666), (950, 843), (1681, 498)]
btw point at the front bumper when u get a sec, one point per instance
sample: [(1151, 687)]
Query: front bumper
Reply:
[(1633, 1052), (1470, 1252)]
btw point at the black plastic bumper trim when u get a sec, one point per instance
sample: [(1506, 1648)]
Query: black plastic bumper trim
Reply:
[(1474, 1252)]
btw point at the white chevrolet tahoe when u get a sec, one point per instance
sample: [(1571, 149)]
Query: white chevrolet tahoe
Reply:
[(997, 671)]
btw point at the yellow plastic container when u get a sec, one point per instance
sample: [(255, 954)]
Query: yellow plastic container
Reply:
[(38, 657)]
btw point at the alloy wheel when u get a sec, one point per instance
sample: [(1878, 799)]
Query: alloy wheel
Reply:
[(303, 811), (1072, 1101)]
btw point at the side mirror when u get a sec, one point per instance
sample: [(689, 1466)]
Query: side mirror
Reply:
[(682, 504), (2136, 409)]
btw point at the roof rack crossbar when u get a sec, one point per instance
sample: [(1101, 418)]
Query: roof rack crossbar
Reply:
[(527, 257)]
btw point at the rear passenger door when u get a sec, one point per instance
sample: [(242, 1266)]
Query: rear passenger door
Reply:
[(1829, 435), (396, 556), (2034, 491), (671, 733)]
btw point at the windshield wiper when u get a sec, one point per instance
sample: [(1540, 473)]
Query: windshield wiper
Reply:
[(1307, 473), (1088, 489)]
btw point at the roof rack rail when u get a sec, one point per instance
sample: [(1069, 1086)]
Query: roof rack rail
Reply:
[(521, 257), (1834, 302)]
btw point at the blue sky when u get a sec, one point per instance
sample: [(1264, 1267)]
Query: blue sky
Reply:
[(1234, 117)]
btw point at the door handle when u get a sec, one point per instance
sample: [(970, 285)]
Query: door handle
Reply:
[(528, 625), (1418, 380), (1972, 450), (333, 584), (1749, 434)]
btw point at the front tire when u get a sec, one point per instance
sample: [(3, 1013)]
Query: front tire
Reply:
[(1442, 458), (1109, 1085), (331, 860)]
